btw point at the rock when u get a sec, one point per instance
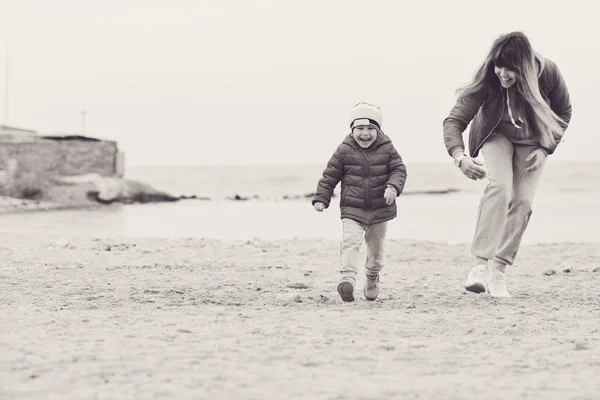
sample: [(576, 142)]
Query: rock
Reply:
[(108, 189), (569, 270), (597, 269), (549, 272), (61, 243), (298, 285), (412, 305), (194, 197), (582, 346), (138, 192), (289, 298)]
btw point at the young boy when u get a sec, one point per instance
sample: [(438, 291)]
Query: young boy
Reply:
[(372, 175)]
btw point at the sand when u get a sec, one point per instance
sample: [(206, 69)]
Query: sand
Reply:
[(89, 318), (12, 205)]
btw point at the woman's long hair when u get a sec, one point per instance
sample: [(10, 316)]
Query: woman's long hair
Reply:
[(514, 52)]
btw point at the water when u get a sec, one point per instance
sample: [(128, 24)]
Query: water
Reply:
[(278, 181), (566, 207)]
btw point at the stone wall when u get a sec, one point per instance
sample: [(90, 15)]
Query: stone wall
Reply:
[(61, 157)]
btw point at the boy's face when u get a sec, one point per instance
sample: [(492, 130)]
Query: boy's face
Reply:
[(364, 135)]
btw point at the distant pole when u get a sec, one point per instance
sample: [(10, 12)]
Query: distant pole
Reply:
[(6, 83), (82, 122)]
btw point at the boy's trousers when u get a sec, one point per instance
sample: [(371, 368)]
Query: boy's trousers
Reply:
[(353, 234)]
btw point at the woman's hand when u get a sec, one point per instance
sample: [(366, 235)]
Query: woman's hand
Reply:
[(472, 168), (537, 156)]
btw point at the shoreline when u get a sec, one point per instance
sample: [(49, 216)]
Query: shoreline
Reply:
[(11, 205), (556, 219)]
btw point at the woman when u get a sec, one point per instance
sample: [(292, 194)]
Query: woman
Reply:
[(519, 106)]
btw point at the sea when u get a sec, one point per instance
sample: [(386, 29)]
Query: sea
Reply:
[(273, 202)]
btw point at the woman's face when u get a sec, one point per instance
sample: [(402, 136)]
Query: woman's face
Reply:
[(507, 77)]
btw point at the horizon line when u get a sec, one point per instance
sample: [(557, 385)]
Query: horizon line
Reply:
[(310, 164)]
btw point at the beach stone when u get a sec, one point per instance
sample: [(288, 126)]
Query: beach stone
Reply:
[(61, 243), (569, 270), (597, 269), (289, 298), (297, 285), (582, 346), (549, 272)]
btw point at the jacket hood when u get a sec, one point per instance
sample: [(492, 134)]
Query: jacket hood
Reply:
[(540, 61)]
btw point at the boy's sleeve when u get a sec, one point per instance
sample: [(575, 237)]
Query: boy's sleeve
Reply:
[(397, 171), (331, 177)]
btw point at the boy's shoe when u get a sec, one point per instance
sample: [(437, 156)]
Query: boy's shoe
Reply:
[(371, 288), (476, 279), (346, 291), (497, 285)]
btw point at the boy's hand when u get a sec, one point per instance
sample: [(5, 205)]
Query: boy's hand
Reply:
[(390, 195), (319, 206)]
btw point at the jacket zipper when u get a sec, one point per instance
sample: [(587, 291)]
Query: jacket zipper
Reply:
[(495, 126), (367, 174)]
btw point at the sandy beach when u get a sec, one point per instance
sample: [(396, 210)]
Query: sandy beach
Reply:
[(86, 318), (158, 162), (11, 206)]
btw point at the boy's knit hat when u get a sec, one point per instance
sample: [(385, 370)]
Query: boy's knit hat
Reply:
[(365, 111)]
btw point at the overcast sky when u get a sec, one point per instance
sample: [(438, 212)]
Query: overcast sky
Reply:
[(272, 81)]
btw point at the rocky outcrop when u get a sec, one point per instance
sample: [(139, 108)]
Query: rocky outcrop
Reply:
[(108, 190)]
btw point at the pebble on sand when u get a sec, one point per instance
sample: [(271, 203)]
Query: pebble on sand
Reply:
[(61, 243), (549, 272), (297, 285), (289, 298), (582, 346)]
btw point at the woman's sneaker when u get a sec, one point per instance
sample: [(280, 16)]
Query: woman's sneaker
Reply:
[(371, 287), (476, 279), (497, 285), (346, 291)]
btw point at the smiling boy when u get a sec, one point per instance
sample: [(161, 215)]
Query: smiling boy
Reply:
[(372, 175)]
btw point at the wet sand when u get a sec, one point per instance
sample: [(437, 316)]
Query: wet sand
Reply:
[(11, 205), (85, 318)]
